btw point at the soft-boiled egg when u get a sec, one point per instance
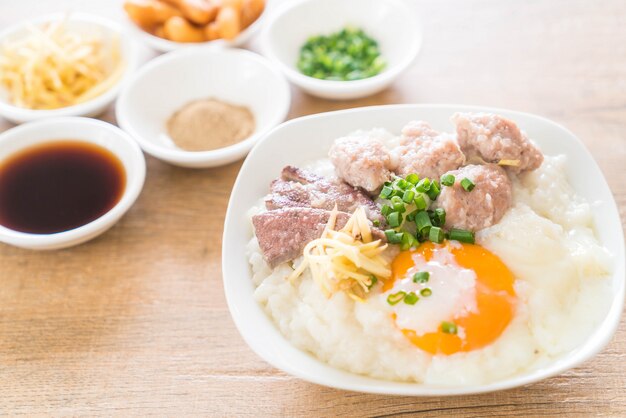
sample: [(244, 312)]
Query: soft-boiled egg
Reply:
[(460, 296)]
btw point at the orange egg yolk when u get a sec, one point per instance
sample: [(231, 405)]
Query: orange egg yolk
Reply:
[(495, 298)]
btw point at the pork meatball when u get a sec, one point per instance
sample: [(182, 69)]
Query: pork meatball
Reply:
[(495, 138), (417, 129), (481, 207), (426, 152), (361, 161)]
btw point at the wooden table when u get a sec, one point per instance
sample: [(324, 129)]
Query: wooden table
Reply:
[(135, 322)]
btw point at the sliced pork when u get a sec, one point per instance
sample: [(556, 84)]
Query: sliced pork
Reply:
[(361, 161), (301, 188), (494, 138), (482, 207), (426, 152), (283, 233)]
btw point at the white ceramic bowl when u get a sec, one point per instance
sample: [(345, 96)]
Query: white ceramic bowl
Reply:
[(80, 22), (165, 45), (82, 129), (391, 22), (172, 80), (309, 138)]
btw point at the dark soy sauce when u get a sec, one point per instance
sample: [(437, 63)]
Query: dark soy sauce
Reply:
[(58, 186)]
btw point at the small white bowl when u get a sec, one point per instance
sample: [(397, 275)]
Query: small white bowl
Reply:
[(82, 129), (391, 22), (309, 138), (165, 45), (172, 80), (95, 106)]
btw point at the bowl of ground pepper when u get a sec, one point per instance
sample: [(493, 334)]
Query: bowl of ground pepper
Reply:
[(200, 107)]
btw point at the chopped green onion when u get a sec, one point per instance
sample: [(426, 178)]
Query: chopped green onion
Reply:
[(411, 298), (421, 277), (461, 235), (448, 327), (420, 201), (440, 214), (436, 234), (411, 216), (422, 220), (386, 210), (408, 196), (412, 178), (437, 217), (394, 186), (385, 193), (433, 218), (393, 237), (396, 200), (348, 54), (399, 207), (408, 240), (394, 219), (434, 190), (426, 292), (402, 184), (423, 185), (467, 184), (373, 281), (398, 204), (395, 297), (447, 180), (376, 222)]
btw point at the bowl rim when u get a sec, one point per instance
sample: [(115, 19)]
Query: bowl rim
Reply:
[(379, 386), (131, 62), (165, 45), (388, 74), (134, 183), (229, 153)]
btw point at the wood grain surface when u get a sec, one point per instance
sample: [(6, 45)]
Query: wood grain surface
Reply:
[(135, 321)]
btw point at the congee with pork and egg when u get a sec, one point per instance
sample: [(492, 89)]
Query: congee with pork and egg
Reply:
[(435, 257)]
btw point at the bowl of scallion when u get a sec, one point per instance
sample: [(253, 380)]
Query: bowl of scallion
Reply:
[(342, 49)]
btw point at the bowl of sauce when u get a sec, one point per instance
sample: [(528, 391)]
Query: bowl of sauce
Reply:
[(64, 181)]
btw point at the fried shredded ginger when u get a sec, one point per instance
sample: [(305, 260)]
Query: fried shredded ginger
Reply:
[(53, 66), (475, 159), (513, 163), (345, 260)]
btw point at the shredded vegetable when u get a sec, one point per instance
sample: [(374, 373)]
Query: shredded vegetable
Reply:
[(513, 163), (348, 260), (53, 66)]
